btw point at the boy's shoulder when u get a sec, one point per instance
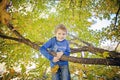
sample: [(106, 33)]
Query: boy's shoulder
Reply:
[(53, 38)]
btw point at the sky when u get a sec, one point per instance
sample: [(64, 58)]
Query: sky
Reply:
[(99, 24)]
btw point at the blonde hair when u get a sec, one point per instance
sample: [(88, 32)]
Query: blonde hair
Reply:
[(62, 27)]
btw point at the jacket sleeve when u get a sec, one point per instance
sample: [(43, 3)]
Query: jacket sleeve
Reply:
[(67, 51), (44, 50)]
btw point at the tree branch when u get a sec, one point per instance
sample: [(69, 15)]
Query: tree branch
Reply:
[(86, 43), (11, 38), (117, 46), (24, 40), (116, 17), (96, 61), (10, 26)]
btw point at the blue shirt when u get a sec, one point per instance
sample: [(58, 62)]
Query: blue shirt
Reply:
[(56, 46)]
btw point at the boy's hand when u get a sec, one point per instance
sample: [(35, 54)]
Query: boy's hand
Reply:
[(59, 54), (55, 59)]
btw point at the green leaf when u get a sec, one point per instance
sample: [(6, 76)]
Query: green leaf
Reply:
[(106, 54)]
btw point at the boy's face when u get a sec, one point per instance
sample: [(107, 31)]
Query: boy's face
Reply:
[(60, 35)]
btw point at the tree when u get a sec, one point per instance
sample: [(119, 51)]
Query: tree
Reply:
[(42, 14)]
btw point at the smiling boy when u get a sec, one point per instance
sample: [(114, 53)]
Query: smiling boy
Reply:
[(60, 45)]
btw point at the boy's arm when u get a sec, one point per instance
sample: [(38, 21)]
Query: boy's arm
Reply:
[(66, 53), (48, 55), (44, 50)]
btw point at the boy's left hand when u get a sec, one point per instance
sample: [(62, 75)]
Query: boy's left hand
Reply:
[(59, 54), (55, 59)]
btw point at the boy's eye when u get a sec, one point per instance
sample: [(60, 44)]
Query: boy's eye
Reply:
[(63, 34)]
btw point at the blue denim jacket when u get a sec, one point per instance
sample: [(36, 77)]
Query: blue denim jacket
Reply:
[(55, 46)]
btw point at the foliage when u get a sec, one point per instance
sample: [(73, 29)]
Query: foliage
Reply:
[(36, 19), (110, 32)]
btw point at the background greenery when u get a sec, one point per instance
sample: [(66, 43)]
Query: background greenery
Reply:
[(36, 19)]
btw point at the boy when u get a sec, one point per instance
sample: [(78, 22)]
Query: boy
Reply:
[(59, 45)]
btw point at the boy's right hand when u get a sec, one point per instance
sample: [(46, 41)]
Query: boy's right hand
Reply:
[(55, 59), (59, 54)]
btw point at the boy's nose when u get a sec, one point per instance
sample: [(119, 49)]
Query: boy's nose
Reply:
[(61, 35)]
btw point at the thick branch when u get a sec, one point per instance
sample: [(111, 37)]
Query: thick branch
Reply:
[(112, 61), (10, 26), (11, 38), (25, 41), (95, 50), (96, 61)]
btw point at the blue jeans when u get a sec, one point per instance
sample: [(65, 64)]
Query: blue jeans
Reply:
[(62, 73)]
